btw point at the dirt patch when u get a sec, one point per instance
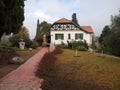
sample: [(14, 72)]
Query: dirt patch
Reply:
[(6, 55), (4, 70)]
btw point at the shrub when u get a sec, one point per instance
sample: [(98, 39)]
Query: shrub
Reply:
[(40, 42), (45, 64), (81, 48), (6, 44), (93, 46), (47, 69), (17, 38), (62, 45), (69, 44), (34, 45), (79, 45)]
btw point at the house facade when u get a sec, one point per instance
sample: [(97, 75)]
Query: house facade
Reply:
[(65, 30)]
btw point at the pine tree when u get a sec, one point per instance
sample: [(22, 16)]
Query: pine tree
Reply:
[(2, 18), (38, 28), (106, 31), (38, 33), (74, 19), (12, 15)]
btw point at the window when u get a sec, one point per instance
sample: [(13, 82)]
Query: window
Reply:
[(79, 36), (59, 36), (69, 37)]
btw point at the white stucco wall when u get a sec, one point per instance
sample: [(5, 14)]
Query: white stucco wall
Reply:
[(86, 36)]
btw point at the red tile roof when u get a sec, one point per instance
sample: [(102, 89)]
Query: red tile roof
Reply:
[(87, 28), (63, 20)]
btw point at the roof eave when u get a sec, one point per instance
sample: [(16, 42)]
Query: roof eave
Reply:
[(74, 24)]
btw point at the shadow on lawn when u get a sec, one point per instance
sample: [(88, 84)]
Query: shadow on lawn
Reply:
[(62, 77)]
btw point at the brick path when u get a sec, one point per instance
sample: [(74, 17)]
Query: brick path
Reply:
[(23, 78)]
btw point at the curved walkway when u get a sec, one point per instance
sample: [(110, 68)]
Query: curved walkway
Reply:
[(23, 78)]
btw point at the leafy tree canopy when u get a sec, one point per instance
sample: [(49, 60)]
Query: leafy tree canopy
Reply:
[(105, 32), (42, 28), (110, 37), (23, 32)]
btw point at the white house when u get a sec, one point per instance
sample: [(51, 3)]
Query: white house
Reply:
[(65, 30)]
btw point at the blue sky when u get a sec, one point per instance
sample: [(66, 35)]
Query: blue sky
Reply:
[(95, 13)]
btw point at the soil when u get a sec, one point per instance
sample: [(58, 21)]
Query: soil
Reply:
[(7, 54)]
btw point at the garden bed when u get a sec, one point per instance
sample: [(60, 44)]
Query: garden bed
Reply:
[(6, 68)]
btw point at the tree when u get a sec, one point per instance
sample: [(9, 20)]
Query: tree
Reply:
[(74, 19), (115, 37), (2, 18), (12, 15), (17, 38), (110, 37), (115, 26), (105, 32), (38, 28), (23, 32), (42, 29)]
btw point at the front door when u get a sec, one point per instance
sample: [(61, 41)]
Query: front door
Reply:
[(48, 40)]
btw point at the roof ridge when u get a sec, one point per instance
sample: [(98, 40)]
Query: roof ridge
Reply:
[(62, 20), (86, 26)]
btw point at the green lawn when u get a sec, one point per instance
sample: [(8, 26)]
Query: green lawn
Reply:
[(86, 72)]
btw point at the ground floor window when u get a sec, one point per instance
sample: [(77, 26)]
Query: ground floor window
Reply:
[(79, 36), (59, 36), (69, 36)]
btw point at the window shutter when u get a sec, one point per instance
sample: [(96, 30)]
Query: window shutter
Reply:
[(75, 36), (81, 36), (56, 37)]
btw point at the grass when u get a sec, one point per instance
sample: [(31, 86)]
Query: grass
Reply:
[(87, 72)]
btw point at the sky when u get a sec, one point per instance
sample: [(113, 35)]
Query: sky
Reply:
[(94, 13)]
